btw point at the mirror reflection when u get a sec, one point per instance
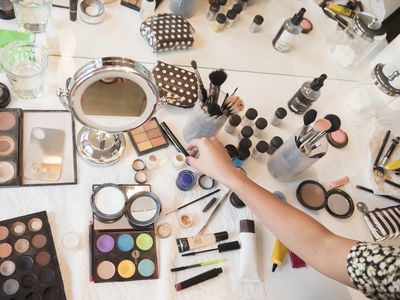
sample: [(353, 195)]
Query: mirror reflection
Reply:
[(143, 209), (113, 100)]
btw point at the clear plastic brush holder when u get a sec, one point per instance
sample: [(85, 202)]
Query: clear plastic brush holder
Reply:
[(288, 162)]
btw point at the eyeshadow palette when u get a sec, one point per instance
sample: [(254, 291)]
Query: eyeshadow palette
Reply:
[(124, 255), (148, 137), (33, 154), (29, 267), (135, 4)]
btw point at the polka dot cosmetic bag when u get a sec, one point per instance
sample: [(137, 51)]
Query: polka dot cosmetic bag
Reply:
[(176, 86), (166, 32)]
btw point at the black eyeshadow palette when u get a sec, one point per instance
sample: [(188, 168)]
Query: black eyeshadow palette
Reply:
[(124, 255), (29, 267)]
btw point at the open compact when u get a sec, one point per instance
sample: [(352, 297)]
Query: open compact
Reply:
[(108, 202), (314, 196), (143, 209)]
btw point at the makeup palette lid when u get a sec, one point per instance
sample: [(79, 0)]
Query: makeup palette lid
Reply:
[(143, 209), (6, 10)]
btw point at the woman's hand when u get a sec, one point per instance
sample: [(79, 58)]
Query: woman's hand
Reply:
[(209, 156)]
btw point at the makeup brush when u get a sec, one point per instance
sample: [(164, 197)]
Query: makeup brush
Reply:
[(217, 78), (335, 125), (214, 109), (320, 126), (233, 105), (201, 85), (308, 118), (383, 145)]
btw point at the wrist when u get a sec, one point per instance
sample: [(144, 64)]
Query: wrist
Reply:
[(234, 178)]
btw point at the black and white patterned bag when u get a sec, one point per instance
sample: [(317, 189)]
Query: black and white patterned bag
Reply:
[(176, 86), (166, 32), (383, 223)]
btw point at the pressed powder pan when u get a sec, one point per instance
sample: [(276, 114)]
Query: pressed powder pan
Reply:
[(313, 195)]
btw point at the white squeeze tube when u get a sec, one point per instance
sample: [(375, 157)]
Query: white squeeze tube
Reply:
[(248, 252)]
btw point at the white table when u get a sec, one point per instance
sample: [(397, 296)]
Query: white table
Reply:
[(69, 209)]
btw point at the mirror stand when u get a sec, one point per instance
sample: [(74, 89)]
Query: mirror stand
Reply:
[(99, 147)]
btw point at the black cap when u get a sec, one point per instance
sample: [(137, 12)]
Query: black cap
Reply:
[(261, 123), (231, 14), (235, 120), (221, 18), (5, 96), (258, 20), (232, 151), (251, 114), (318, 82), (262, 146), (243, 153), (247, 131), (299, 16), (221, 2), (237, 8), (228, 246), (214, 7), (236, 201), (247, 226), (245, 143), (6, 10), (280, 113), (220, 236), (276, 142)]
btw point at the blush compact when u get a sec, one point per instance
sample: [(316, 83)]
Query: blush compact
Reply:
[(312, 195), (338, 138)]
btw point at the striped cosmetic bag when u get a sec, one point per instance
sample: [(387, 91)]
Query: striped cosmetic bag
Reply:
[(383, 223)]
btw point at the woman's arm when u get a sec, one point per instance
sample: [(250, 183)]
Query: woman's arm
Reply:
[(314, 243)]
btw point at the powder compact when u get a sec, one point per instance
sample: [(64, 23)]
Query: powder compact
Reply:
[(124, 249), (148, 137), (206, 182), (338, 138), (33, 154), (29, 267), (313, 195)]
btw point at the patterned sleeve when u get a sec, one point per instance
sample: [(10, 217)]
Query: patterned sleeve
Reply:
[(375, 270)]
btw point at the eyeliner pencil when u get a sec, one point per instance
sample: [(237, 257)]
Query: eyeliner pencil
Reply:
[(173, 138), (73, 9), (206, 263), (384, 141), (372, 192), (194, 201)]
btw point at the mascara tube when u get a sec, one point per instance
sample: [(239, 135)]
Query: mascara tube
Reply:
[(198, 279), (73, 9)]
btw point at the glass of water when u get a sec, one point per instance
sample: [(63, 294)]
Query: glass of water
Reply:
[(25, 64), (33, 15)]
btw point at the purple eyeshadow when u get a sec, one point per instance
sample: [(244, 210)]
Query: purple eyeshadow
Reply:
[(105, 243)]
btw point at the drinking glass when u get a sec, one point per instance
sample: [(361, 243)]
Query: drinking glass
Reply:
[(33, 15)]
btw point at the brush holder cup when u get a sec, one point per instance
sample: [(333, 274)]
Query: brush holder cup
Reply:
[(201, 124), (289, 161)]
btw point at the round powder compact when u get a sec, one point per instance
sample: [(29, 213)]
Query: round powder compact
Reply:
[(140, 177), (311, 194), (306, 25), (339, 204), (108, 202), (138, 165), (185, 220), (338, 138), (206, 182), (163, 230)]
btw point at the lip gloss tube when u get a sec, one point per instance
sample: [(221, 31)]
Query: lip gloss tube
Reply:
[(198, 279)]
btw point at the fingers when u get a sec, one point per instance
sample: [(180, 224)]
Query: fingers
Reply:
[(192, 161), (193, 152)]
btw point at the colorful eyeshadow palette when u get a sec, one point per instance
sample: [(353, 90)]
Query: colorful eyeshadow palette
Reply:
[(29, 267), (31, 153), (124, 255), (148, 137)]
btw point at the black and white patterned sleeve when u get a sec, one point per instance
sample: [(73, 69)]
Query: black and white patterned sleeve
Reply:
[(375, 270)]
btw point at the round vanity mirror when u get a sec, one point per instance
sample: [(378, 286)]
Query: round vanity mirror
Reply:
[(109, 96)]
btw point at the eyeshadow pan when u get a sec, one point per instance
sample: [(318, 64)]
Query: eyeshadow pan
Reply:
[(312, 195), (21, 246), (46, 276), (125, 242), (144, 241), (5, 250), (29, 281), (146, 267), (7, 268), (153, 133), (144, 146), (3, 232), (137, 130), (18, 228), (158, 141), (43, 258), (25, 263), (50, 294), (7, 120), (106, 270), (105, 243), (7, 145), (126, 269), (141, 137), (39, 241), (10, 287), (35, 224), (7, 171), (150, 125)]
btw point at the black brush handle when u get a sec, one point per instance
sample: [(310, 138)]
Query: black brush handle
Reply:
[(372, 192), (390, 151), (383, 145)]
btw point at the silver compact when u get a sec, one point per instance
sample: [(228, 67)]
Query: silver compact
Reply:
[(143, 209), (92, 11), (109, 96)]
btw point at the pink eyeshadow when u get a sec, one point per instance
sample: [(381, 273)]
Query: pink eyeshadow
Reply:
[(339, 136), (7, 120)]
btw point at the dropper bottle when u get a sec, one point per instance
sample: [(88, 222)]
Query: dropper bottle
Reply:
[(306, 95), (284, 39)]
